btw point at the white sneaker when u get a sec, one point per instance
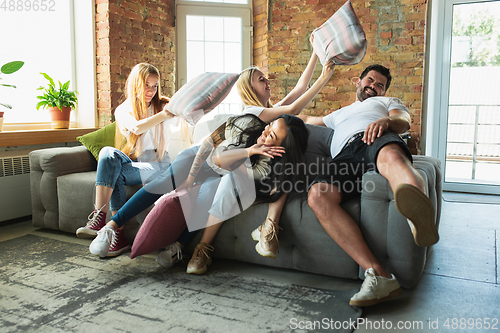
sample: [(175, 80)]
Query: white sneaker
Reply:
[(100, 244), (376, 289), (171, 255)]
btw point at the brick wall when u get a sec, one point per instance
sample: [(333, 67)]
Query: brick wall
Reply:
[(260, 34), (395, 31), (132, 31), (129, 32)]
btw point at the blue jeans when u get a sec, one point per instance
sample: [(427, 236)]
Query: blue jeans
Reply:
[(115, 170), (168, 181)]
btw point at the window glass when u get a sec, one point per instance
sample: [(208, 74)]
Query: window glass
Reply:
[(214, 44), (473, 149), (38, 33)]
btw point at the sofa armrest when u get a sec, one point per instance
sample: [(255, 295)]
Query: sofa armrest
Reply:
[(45, 166), (63, 160), (387, 232)]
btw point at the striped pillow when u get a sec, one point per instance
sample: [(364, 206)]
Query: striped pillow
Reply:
[(341, 38), (201, 95)]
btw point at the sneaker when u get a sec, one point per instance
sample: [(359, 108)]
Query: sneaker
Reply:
[(100, 244), (200, 259), (376, 289), (419, 211), (97, 220), (267, 236), (171, 255), (118, 245)]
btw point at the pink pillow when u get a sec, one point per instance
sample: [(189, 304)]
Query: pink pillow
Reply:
[(164, 223), (201, 95), (341, 38)]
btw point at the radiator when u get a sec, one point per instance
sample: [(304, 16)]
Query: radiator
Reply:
[(15, 195)]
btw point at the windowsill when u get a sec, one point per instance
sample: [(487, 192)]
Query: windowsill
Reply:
[(42, 136)]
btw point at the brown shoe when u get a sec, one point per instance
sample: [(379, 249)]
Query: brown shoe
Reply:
[(200, 259), (267, 236), (419, 211)]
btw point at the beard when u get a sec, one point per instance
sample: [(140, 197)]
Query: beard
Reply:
[(364, 93)]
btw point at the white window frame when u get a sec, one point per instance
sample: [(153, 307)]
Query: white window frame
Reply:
[(83, 53), (185, 8), (436, 95)]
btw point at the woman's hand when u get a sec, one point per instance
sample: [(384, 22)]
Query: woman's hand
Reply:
[(328, 68), (167, 113), (266, 150)]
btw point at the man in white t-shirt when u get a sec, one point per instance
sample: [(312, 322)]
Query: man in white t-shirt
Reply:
[(367, 138)]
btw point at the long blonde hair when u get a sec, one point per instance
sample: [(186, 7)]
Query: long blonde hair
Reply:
[(245, 89), (135, 94)]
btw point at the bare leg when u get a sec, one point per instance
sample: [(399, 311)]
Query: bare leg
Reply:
[(414, 205), (393, 164), (102, 197), (275, 208), (324, 199), (209, 233)]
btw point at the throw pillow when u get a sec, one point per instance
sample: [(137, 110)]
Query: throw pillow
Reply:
[(96, 140), (341, 38), (201, 95), (164, 223)]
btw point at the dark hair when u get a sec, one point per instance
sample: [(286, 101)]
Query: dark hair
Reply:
[(380, 69), (283, 168)]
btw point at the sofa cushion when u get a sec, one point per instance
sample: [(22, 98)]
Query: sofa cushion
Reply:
[(76, 197), (96, 140), (165, 222), (303, 243)]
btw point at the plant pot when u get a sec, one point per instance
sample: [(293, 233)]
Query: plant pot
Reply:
[(1, 121), (60, 118)]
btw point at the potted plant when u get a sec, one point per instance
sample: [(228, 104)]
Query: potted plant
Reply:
[(9, 68), (59, 102)]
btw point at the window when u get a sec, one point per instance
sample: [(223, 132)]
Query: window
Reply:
[(463, 126), (49, 38), (213, 37)]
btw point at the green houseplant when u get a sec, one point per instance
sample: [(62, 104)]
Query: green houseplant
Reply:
[(59, 102), (8, 68)]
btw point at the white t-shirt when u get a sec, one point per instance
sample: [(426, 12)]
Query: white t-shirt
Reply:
[(354, 118), (125, 120), (257, 110)]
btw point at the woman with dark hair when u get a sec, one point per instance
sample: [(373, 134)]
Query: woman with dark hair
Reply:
[(263, 156), (255, 92), (257, 86)]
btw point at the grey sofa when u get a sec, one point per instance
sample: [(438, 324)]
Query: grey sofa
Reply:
[(63, 179)]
